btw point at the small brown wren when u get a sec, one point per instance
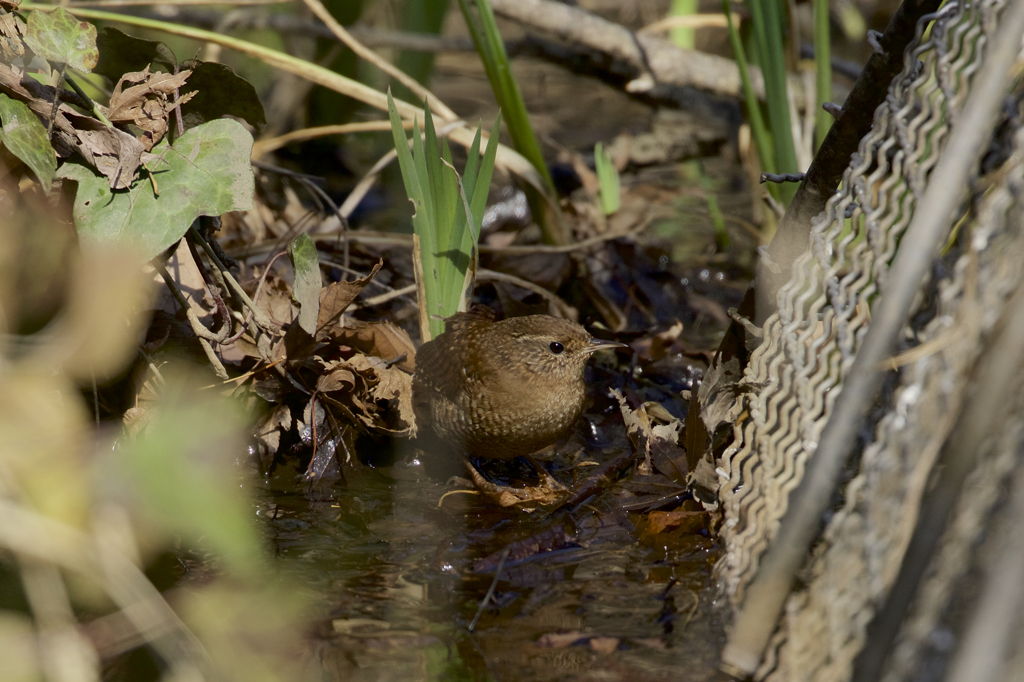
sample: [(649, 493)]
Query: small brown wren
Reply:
[(497, 390)]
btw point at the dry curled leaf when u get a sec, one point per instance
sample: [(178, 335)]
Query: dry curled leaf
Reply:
[(383, 339), (337, 296), (657, 442), (547, 492), (339, 379), (145, 100), (114, 153), (12, 29)]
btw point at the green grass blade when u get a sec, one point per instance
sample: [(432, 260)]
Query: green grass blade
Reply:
[(683, 36), (405, 161), (499, 72), (419, 157), (472, 161), (453, 249), (823, 70), (417, 188), (758, 129), (424, 17), (441, 220), (484, 31), (768, 30), (608, 180), (450, 190), (483, 179)]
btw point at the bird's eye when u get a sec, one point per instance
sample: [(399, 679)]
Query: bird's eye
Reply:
[(556, 348)]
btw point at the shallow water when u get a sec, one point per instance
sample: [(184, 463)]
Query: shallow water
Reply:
[(397, 580)]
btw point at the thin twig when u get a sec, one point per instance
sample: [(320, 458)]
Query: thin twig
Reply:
[(384, 298), (561, 306), (255, 300), (494, 584), (213, 291), (203, 334), (387, 67), (257, 316)]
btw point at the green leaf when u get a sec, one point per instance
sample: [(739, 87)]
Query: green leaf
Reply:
[(205, 172), (684, 37), (25, 137), (449, 190), (306, 290), (120, 53), (58, 37), (454, 247), (439, 218)]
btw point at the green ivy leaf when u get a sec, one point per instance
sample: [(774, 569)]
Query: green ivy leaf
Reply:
[(25, 137), (58, 37), (205, 172)]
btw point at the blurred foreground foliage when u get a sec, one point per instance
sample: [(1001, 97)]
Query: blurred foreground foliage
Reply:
[(86, 511)]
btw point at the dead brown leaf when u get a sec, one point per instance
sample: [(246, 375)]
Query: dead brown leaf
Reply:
[(145, 100), (275, 301), (657, 442), (397, 385), (114, 153), (39, 98), (687, 521), (337, 296), (387, 384), (11, 31), (383, 339), (547, 492), (269, 432), (663, 342), (337, 380)]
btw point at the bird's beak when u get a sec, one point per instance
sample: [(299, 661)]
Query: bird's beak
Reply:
[(600, 344)]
